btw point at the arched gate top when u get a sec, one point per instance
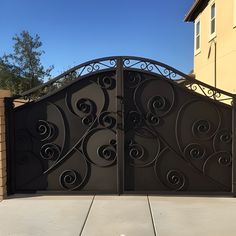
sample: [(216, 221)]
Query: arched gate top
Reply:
[(128, 63)]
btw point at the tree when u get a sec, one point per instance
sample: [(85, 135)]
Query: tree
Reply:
[(22, 69)]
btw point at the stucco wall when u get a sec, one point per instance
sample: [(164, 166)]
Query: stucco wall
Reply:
[(3, 172), (225, 48)]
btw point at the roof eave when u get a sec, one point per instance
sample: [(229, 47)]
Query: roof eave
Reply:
[(190, 16)]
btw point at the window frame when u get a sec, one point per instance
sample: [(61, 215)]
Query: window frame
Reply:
[(212, 35), (197, 50)]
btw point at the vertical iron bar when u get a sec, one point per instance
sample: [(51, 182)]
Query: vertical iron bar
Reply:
[(234, 147), (120, 125)]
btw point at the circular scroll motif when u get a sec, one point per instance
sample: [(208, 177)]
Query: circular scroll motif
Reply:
[(195, 126), (152, 119), (157, 104), (224, 158), (217, 164), (45, 129), (225, 137), (108, 152), (194, 151), (86, 110), (202, 128), (107, 82), (142, 147), (223, 141), (50, 151), (175, 179), (69, 179), (107, 120), (154, 96), (133, 79), (136, 151), (99, 147)]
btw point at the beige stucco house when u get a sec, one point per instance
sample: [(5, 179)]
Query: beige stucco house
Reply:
[(214, 42)]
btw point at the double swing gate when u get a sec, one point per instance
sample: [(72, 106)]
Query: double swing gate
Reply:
[(122, 125)]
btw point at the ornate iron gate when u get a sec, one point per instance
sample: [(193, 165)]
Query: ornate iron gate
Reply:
[(121, 125)]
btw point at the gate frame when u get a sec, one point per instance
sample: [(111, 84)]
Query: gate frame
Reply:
[(120, 126), (234, 146), (120, 67)]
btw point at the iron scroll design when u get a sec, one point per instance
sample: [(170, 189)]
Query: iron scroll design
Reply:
[(71, 132), (166, 131), (129, 62), (59, 141), (55, 84)]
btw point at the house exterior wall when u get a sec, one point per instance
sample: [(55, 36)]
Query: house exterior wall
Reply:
[(3, 162), (221, 49)]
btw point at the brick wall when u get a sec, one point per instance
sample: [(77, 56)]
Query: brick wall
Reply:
[(3, 171)]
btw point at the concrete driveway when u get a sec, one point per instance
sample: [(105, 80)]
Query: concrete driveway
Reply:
[(117, 216)]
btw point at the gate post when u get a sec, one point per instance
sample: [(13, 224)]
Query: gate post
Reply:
[(9, 105), (3, 140), (234, 147), (120, 125)]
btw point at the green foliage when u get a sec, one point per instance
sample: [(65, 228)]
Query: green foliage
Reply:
[(22, 69)]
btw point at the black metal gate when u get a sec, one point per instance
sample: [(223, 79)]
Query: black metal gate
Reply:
[(122, 125)]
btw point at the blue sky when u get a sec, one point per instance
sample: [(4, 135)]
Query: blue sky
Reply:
[(74, 31)]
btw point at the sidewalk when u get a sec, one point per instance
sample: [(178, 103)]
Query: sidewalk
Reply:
[(117, 216)]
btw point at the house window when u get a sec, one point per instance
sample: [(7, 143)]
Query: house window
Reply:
[(197, 36), (213, 21)]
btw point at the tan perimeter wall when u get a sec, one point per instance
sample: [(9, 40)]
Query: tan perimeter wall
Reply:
[(3, 172), (225, 45)]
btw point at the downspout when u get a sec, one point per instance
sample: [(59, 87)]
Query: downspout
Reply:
[(215, 64), (215, 61)]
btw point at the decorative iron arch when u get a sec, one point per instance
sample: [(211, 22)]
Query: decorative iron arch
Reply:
[(138, 64)]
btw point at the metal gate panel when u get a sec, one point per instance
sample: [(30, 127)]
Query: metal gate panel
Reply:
[(175, 140), (67, 141), (122, 125)]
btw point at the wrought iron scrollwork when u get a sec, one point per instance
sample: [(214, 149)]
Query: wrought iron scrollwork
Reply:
[(142, 147), (129, 63), (194, 151), (191, 143), (175, 179), (136, 151), (45, 129), (87, 110), (152, 119), (107, 120), (149, 66), (69, 179), (107, 82), (210, 92), (50, 151), (74, 127), (108, 152)]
